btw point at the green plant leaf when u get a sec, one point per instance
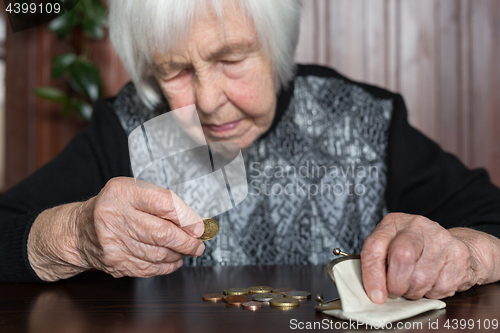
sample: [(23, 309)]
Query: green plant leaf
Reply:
[(82, 108), (85, 79), (66, 110), (51, 94), (84, 76), (92, 29), (94, 18), (64, 24), (61, 64), (95, 10)]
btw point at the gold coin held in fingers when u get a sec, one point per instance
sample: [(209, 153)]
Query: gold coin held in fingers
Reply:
[(259, 289), (211, 229), (301, 295), (235, 291), (284, 302), (213, 297)]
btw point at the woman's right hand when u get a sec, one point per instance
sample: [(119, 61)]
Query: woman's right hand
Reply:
[(128, 229)]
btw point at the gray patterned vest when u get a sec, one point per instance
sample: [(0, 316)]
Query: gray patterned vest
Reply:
[(316, 180)]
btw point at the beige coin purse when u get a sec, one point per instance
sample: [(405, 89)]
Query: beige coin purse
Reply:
[(354, 304)]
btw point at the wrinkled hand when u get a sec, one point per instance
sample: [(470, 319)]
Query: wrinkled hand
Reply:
[(136, 231), (128, 229), (412, 256)]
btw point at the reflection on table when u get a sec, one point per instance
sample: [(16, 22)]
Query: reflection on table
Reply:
[(96, 302)]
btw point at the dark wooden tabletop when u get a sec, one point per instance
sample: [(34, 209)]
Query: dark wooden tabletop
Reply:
[(96, 302)]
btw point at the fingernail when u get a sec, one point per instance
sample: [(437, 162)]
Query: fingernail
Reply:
[(198, 230), (377, 296), (390, 295), (200, 250), (179, 263)]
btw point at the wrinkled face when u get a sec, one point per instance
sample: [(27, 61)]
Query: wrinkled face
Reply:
[(227, 76)]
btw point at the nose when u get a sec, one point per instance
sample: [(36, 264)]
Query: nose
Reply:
[(209, 92)]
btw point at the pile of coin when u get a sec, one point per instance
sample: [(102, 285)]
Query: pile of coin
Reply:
[(253, 298)]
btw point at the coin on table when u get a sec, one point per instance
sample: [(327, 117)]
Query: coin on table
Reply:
[(235, 291), (265, 297), (284, 302), (213, 297), (236, 299), (259, 289), (301, 295), (253, 306), (335, 304), (211, 229), (282, 290)]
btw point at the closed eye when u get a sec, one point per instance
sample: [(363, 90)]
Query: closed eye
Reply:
[(172, 76), (231, 62)]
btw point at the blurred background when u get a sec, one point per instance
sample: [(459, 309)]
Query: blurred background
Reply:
[(443, 56)]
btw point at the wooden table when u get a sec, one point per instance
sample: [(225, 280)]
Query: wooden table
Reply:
[(95, 302)]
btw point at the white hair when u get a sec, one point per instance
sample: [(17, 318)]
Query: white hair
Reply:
[(140, 28)]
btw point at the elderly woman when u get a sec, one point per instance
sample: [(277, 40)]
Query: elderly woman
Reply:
[(354, 159)]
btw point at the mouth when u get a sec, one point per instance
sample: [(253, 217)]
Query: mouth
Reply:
[(224, 128)]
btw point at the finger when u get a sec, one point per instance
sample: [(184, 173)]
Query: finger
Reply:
[(404, 251), (166, 204), (161, 269), (155, 200), (153, 254), (186, 215), (373, 262), (426, 272), (135, 267), (469, 278), (446, 283), (457, 273), (195, 230), (422, 281), (140, 195), (155, 231)]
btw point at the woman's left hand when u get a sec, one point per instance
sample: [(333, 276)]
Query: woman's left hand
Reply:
[(412, 256)]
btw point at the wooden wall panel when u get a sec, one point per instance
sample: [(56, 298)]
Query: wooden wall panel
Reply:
[(485, 47), (448, 76), (495, 92), (307, 50), (113, 73), (53, 131), (441, 55), (346, 36), (465, 83), (20, 106), (417, 57), (375, 50), (481, 49), (36, 130), (392, 44)]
